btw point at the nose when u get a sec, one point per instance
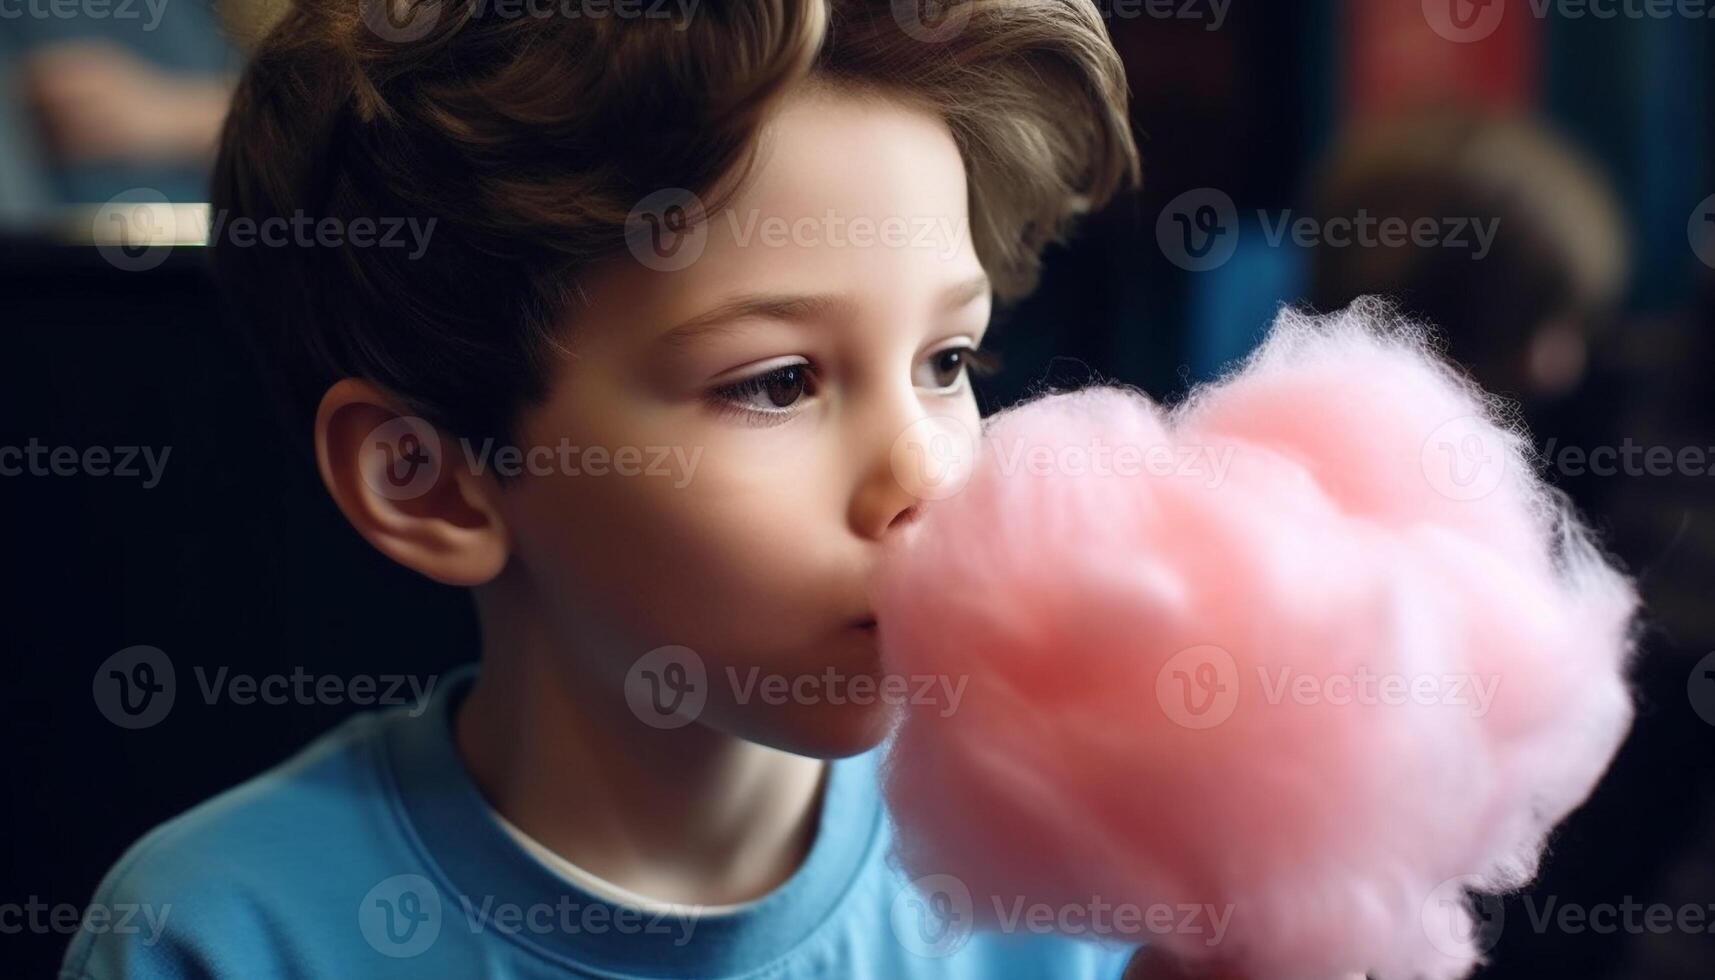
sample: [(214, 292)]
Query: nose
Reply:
[(882, 502), (907, 456)]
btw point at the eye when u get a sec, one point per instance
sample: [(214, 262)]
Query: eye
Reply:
[(767, 397), (945, 368)]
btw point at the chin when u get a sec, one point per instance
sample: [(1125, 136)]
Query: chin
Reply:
[(821, 731)]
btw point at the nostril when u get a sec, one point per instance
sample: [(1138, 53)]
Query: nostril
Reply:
[(903, 518)]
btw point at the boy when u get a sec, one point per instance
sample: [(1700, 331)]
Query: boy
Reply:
[(693, 280)]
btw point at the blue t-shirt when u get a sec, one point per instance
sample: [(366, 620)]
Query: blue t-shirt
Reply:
[(372, 854)]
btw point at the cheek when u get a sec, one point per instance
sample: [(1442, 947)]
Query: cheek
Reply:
[(731, 558), (962, 407), (967, 411)]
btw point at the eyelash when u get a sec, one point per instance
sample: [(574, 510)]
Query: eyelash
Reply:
[(729, 399)]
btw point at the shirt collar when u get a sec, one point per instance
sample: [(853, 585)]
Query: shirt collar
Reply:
[(481, 867)]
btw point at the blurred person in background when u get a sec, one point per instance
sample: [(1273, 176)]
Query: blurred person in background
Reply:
[(1536, 318), (98, 99), (1522, 316), (97, 102)]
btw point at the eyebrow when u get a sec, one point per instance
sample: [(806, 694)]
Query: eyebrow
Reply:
[(800, 308)]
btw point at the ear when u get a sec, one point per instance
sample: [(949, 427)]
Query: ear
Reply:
[(404, 485)]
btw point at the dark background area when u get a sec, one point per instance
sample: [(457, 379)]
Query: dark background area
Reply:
[(237, 559)]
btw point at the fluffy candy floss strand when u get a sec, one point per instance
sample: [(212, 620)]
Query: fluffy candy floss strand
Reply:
[(1316, 651)]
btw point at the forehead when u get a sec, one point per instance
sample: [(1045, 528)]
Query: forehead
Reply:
[(850, 193), (855, 154)]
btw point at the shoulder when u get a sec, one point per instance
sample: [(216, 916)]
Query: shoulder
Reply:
[(202, 893)]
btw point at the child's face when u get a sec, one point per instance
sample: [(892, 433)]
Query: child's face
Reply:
[(754, 545)]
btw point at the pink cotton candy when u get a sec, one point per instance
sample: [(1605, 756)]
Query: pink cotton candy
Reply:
[(1165, 659)]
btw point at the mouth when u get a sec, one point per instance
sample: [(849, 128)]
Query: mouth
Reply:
[(867, 623)]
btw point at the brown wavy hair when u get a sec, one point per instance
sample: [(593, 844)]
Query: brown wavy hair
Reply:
[(529, 139)]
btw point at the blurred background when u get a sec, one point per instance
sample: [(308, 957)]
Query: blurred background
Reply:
[(1535, 176)]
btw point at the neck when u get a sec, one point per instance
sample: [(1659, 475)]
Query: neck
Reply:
[(688, 815)]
